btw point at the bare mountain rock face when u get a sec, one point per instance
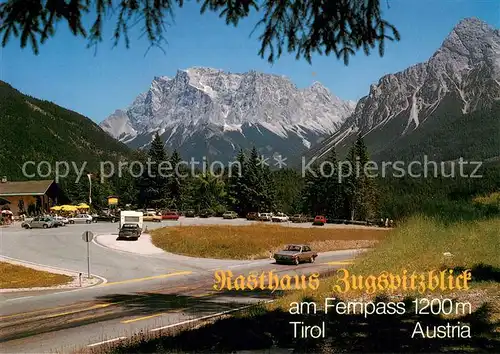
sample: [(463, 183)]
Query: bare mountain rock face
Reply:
[(426, 108), (208, 112)]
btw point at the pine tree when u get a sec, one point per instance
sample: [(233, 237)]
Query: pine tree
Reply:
[(367, 197), (252, 181), (125, 188), (332, 187), (267, 190), (209, 193), (288, 184), (313, 193), (359, 187), (236, 184), (153, 182), (175, 183)]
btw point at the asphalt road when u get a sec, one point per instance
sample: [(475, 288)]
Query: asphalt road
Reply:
[(144, 292)]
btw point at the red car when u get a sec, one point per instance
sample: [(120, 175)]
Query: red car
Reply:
[(170, 215), (319, 220)]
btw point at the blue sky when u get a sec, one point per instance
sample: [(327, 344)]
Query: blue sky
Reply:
[(69, 74)]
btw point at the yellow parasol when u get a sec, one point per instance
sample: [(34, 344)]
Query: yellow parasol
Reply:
[(69, 208), (83, 206), (56, 208)]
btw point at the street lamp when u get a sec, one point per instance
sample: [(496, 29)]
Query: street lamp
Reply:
[(89, 175)]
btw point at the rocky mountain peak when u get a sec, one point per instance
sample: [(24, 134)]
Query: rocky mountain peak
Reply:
[(469, 41), (210, 103), (318, 86), (471, 25), (462, 76)]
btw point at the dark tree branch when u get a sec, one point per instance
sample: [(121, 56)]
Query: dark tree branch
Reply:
[(303, 27)]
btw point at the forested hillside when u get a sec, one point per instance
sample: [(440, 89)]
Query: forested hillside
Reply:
[(36, 130), (449, 136)]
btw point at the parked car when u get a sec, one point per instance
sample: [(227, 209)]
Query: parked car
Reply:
[(266, 217), (80, 219), (61, 220), (298, 218), (295, 254), (151, 216), (205, 213), (129, 231), (280, 217), (336, 221), (319, 220), (190, 214), (42, 222), (253, 215), (105, 217), (229, 215), (170, 215)]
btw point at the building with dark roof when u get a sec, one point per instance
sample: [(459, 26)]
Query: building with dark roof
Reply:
[(21, 194)]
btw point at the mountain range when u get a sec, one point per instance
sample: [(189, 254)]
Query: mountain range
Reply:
[(204, 111), (446, 107), (208, 112)]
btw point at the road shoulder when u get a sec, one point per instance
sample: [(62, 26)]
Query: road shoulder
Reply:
[(77, 280)]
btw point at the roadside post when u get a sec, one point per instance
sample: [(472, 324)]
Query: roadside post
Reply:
[(87, 236), (80, 278)]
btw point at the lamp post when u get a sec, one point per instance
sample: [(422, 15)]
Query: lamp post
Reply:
[(89, 175)]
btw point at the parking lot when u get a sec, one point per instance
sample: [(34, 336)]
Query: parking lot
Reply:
[(109, 227), (63, 247)]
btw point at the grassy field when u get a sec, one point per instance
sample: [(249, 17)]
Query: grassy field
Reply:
[(15, 276), (420, 244), (417, 245), (255, 241)]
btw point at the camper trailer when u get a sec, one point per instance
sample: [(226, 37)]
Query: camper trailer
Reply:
[(130, 225), (131, 217)]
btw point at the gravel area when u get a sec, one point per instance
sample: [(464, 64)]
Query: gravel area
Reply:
[(142, 246), (73, 284)]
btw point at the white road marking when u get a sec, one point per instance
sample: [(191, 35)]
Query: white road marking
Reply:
[(242, 265), (106, 341), (205, 317), (58, 293), (254, 263), (19, 298)]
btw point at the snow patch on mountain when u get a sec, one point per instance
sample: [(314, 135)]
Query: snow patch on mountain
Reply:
[(232, 127), (119, 126)]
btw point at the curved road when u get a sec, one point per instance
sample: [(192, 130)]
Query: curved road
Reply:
[(144, 292)]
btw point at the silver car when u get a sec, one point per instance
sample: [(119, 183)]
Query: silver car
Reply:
[(230, 215), (266, 216), (41, 222), (61, 220), (81, 219)]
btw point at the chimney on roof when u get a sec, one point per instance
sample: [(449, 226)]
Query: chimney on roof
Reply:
[(4, 179)]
